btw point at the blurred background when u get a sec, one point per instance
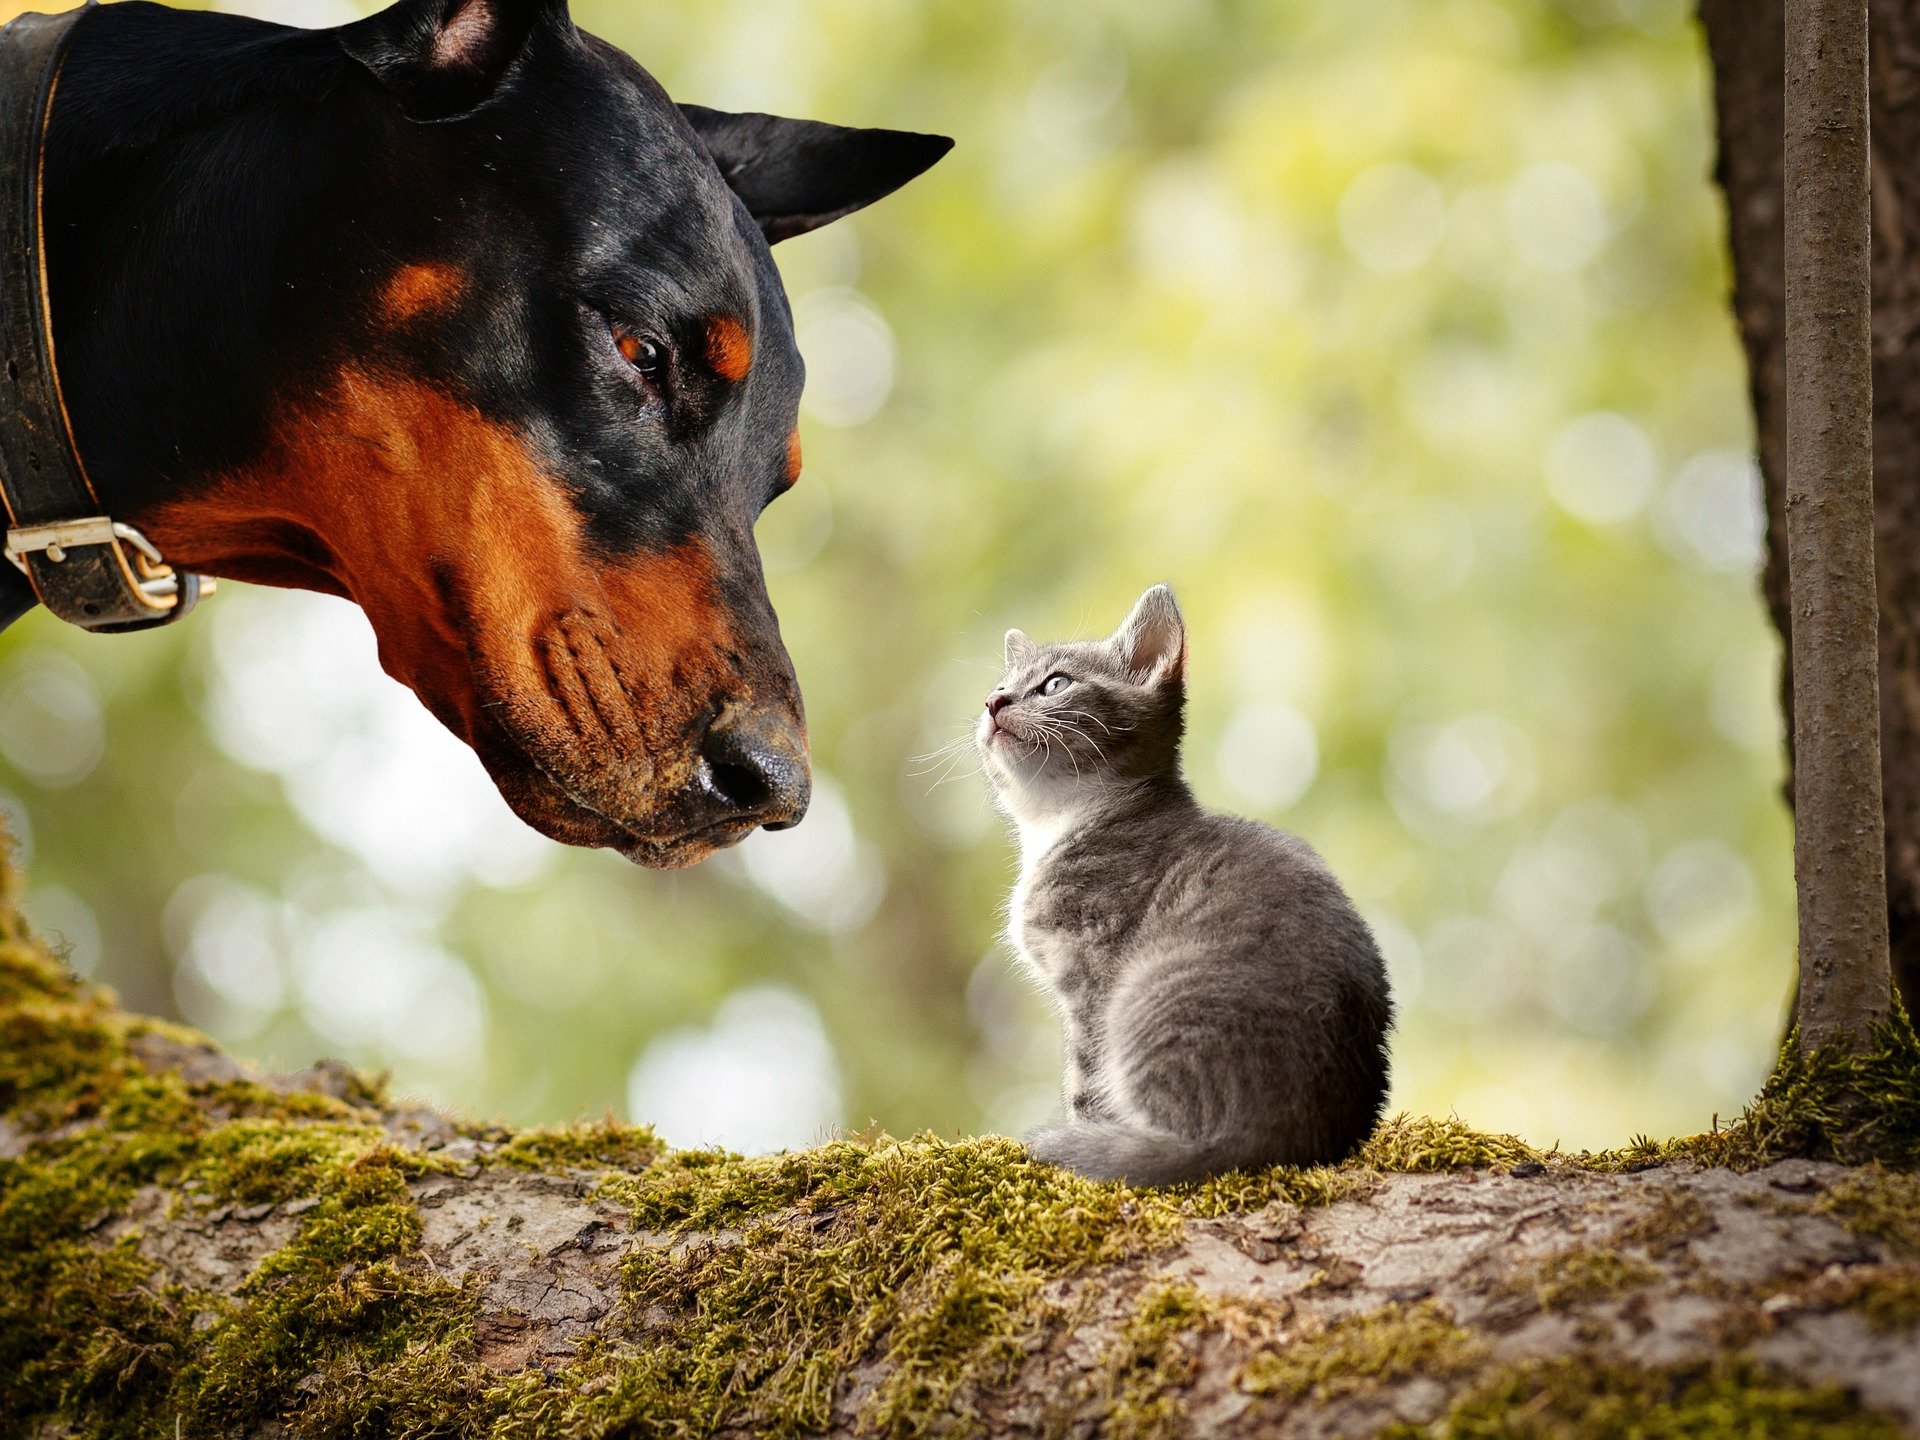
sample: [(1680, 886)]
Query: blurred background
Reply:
[(1395, 338)]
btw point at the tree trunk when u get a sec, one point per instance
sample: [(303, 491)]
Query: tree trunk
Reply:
[(187, 1248), (1839, 834), (1746, 39)]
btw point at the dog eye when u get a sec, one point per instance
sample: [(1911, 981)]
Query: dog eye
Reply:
[(1054, 684), (646, 356)]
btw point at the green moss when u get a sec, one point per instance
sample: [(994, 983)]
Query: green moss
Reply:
[(428, 1387), (1852, 1106), (1241, 1191), (1135, 1393), (925, 1256), (61, 1050), (1403, 1144), (596, 1145), (1879, 1204), (81, 1321), (364, 1091), (85, 1330), (1642, 1152), (249, 1099), (716, 1189), (1887, 1297), (1383, 1347), (1586, 1395), (253, 1162), (1890, 1302), (1582, 1274), (88, 1337), (78, 1317), (1420, 1143), (348, 1297)]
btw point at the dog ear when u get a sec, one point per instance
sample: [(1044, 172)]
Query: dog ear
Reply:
[(797, 175), (1152, 642), (446, 58)]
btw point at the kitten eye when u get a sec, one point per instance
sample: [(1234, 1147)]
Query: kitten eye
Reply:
[(1054, 684)]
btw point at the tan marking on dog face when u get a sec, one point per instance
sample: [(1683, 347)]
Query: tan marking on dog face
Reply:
[(793, 458), (729, 348), (418, 288), (567, 672)]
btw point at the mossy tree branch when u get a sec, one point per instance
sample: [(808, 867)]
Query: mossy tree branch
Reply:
[(187, 1247)]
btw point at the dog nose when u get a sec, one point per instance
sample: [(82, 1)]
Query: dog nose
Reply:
[(755, 765)]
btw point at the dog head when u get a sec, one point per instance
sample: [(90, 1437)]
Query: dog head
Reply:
[(510, 366)]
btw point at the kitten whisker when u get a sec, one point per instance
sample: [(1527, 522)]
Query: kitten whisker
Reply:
[(1050, 725), (946, 773), (1089, 715), (1062, 729), (952, 775), (961, 744), (926, 764)]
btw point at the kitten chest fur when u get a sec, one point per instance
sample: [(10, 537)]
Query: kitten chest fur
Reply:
[(1088, 881), (1037, 840)]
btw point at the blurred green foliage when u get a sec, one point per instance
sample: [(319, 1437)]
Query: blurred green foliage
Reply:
[(1394, 337)]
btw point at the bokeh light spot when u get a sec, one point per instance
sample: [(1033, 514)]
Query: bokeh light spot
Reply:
[(1392, 217), (51, 725), (761, 1077), (1601, 468), (849, 351), (1269, 755)]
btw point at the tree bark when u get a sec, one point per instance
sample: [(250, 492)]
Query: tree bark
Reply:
[(1746, 41), (1839, 835)]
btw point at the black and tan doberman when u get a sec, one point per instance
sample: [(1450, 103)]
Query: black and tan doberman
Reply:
[(453, 312)]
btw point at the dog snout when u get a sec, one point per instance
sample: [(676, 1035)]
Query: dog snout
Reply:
[(754, 767)]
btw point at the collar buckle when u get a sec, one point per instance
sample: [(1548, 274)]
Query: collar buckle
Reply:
[(66, 560)]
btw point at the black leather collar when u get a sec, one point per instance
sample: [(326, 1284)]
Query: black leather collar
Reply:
[(84, 566)]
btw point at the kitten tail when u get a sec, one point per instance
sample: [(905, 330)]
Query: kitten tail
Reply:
[(1102, 1151)]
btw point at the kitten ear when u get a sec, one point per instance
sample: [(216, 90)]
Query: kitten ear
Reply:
[(1019, 647), (1153, 641)]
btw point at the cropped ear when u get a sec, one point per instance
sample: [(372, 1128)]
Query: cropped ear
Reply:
[(797, 175), (446, 58), (1153, 640), (1019, 647)]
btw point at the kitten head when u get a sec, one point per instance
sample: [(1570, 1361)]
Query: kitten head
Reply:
[(1070, 719)]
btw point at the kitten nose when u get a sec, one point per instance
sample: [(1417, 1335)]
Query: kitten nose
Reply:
[(997, 701)]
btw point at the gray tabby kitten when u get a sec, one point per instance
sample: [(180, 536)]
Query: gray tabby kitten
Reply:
[(1225, 1006)]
